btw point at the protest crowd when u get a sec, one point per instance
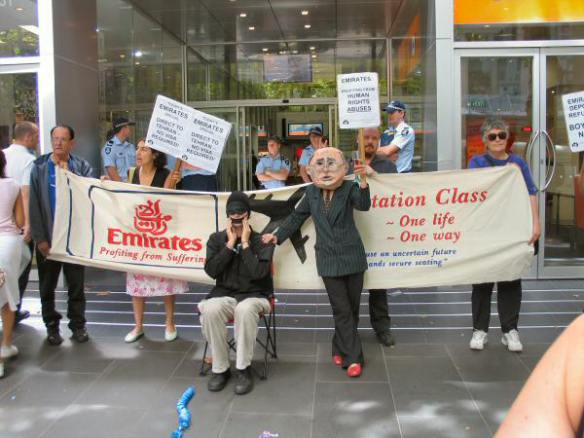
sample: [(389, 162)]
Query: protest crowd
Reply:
[(239, 259)]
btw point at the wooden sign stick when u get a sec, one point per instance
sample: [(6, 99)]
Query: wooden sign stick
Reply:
[(362, 151)]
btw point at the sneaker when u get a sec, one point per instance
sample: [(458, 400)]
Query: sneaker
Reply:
[(512, 341), (354, 370), (478, 340), (20, 315), (54, 337), (8, 352), (80, 335), (218, 381), (244, 382)]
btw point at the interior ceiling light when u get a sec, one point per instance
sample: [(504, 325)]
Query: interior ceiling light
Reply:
[(251, 27), (294, 52), (265, 49), (304, 12), (138, 53), (137, 63), (307, 26), (313, 56), (243, 15), (122, 56), (312, 48), (19, 9)]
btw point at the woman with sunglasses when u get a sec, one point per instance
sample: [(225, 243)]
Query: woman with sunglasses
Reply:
[(495, 134)]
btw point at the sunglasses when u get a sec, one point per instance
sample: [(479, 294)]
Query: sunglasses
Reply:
[(501, 135)]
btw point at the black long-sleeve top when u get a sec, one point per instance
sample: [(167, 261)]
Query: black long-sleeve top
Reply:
[(242, 273)]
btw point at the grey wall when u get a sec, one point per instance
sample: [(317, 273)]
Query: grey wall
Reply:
[(76, 73)]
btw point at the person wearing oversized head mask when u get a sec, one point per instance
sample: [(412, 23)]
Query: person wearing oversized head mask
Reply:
[(340, 255)]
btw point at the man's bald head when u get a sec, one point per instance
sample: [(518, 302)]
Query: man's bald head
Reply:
[(371, 137)]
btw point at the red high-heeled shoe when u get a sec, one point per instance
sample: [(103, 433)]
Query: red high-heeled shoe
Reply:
[(354, 370), (338, 359)]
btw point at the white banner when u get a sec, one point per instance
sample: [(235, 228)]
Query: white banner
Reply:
[(188, 134), (358, 100), (425, 229), (574, 114)]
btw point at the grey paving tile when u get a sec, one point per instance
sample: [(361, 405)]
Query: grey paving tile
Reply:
[(494, 399), (288, 390), (253, 425), (89, 357), (27, 422), (363, 410), (133, 382), (444, 426), (416, 350), (43, 389), (493, 364), (429, 398), (95, 421), (411, 372), (409, 336)]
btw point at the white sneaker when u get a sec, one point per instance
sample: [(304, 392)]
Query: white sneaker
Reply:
[(478, 340), (8, 352), (133, 336), (170, 336), (512, 341)]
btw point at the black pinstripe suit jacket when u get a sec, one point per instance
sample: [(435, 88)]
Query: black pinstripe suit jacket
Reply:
[(339, 250)]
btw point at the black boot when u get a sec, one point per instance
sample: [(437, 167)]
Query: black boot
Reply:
[(218, 381), (80, 335), (244, 382), (385, 338), (53, 336)]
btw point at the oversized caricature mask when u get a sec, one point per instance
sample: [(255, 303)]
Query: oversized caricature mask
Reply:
[(327, 168)]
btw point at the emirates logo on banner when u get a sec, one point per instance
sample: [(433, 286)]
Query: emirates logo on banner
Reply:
[(149, 219)]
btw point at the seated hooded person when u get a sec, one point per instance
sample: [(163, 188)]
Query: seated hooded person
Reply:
[(339, 251), (241, 265)]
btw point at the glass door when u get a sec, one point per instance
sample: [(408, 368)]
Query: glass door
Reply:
[(19, 97), (562, 201), (503, 84)]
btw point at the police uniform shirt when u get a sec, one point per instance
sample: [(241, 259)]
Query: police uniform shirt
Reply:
[(276, 165), (121, 155), (404, 139), (307, 154), (387, 136)]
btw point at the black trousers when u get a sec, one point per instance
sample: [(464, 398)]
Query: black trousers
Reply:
[(49, 271), (200, 183), (23, 279), (508, 304), (379, 311), (345, 296)]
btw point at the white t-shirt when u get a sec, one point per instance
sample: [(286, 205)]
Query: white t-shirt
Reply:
[(19, 163)]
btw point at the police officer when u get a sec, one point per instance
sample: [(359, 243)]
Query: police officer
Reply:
[(273, 169), (316, 142), (118, 154), (404, 138)]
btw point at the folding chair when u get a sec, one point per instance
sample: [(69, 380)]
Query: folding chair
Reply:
[(268, 343)]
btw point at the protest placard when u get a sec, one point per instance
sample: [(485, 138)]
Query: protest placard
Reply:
[(573, 104), (188, 134), (358, 100)]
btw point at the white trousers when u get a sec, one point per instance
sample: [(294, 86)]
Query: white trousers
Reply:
[(215, 312)]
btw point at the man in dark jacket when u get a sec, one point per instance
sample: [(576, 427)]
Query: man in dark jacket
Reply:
[(241, 265), (340, 255), (42, 207)]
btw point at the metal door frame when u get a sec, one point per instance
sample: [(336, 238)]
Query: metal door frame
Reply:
[(555, 271)]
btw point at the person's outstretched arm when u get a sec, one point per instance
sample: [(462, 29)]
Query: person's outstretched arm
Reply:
[(551, 404)]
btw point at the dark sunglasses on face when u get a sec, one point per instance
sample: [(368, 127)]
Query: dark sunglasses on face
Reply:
[(501, 135)]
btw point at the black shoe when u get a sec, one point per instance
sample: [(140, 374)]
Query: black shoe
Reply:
[(54, 337), (80, 335), (20, 315), (244, 383), (218, 381), (385, 338)]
